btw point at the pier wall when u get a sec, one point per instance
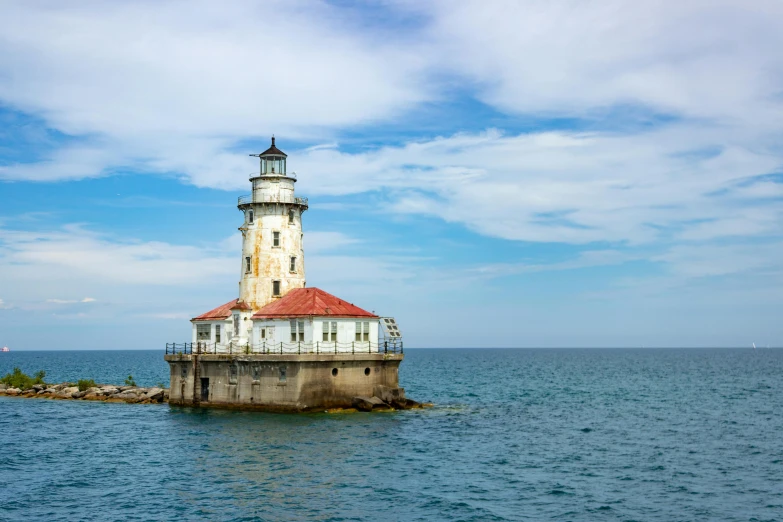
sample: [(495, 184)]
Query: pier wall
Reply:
[(287, 382)]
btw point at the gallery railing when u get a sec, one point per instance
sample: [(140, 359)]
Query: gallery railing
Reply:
[(298, 347), (245, 200)]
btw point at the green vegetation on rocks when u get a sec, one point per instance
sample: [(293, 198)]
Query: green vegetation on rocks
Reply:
[(17, 379), (129, 381), (86, 384)]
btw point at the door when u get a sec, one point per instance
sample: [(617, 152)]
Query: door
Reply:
[(270, 336), (205, 389)]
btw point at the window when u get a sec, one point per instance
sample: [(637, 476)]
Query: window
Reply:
[(290, 217), (236, 325), (184, 371), (262, 331), (247, 264), (203, 332), (282, 374), (250, 217), (217, 333), (292, 267), (297, 331), (275, 239), (256, 373), (275, 288), (232, 375), (363, 331), (329, 334)]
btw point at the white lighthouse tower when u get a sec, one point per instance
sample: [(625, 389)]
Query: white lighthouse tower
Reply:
[(272, 252)]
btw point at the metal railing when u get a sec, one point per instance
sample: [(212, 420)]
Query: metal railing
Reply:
[(258, 174), (299, 347), (245, 200)]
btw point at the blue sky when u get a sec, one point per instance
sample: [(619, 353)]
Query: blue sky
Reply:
[(492, 174)]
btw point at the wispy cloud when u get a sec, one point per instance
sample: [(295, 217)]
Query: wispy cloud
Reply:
[(71, 301)]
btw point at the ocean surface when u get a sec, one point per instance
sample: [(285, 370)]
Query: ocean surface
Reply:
[(590, 434)]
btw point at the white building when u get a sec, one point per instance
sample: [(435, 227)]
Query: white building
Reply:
[(274, 312)]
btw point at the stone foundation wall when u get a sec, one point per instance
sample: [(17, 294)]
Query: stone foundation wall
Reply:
[(281, 382)]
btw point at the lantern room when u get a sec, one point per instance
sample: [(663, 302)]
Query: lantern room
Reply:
[(272, 161)]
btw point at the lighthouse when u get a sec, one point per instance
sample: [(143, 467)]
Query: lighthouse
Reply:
[(281, 345), (272, 238)]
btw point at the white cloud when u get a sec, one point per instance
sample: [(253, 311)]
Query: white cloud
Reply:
[(571, 187), (703, 58), (100, 258), (167, 86), (71, 301), (199, 80)]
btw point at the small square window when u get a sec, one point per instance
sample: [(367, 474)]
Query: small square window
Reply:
[(275, 288), (275, 239)]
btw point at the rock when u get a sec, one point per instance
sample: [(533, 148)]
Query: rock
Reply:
[(12, 391), (368, 403), (109, 390), (389, 395), (94, 390), (39, 387), (406, 404), (3, 386), (50, 390), (61, 386), (43, 392), (362, 403), (154, 394), (78, 394), (127, 396)]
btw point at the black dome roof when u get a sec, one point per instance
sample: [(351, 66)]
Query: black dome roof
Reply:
[(273, 151)]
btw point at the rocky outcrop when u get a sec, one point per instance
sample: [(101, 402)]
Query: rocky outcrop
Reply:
[(102, 392), (376, 404)]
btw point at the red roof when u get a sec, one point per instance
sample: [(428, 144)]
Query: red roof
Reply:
[(221, 312), (241, 305), (303, 302)]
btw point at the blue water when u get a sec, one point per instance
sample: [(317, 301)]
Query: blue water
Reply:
[(515, 434)]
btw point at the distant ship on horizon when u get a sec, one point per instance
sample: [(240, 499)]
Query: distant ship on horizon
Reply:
[(5, 349)]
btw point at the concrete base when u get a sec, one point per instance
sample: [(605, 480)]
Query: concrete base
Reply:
[(287, 382)]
